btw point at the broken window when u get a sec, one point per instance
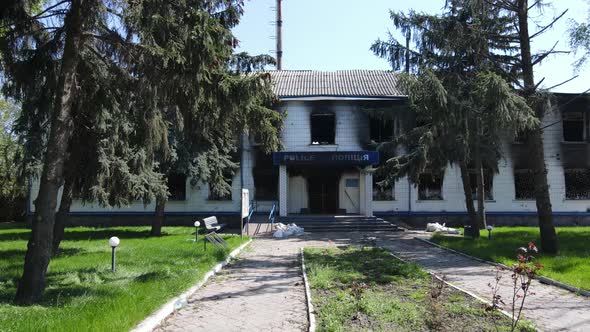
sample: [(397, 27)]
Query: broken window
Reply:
[(430, 187), (323, 128), (382, 192), (266, 177), (219, 194), (176, 187), (574, 127), (577, 183), (382, 130), (488, 179), (524, 184)]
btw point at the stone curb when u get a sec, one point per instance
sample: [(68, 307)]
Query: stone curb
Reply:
[(167, 309), (541, 279), (310, 315), (482, 300)]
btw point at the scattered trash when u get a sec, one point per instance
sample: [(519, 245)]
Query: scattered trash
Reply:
[(180, 303), (283, 230), (436, 227)]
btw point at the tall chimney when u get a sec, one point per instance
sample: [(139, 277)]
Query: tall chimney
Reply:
[(279, 36)]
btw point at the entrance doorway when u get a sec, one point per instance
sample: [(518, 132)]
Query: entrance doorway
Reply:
[(323, 193)]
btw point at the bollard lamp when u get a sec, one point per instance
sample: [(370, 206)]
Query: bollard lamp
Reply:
[(114, 243), (489, 228), (197, 224)]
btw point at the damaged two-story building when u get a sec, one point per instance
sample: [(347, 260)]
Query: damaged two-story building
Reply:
[(328, 156)]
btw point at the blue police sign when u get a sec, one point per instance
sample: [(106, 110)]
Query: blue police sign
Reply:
[(333, 158)]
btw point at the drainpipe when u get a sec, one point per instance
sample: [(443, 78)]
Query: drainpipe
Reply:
[(241, 182), (409, 196)]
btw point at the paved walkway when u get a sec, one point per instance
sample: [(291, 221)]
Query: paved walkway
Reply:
[(263, 290), (551, 308)]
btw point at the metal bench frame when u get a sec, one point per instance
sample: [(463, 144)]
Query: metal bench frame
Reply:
[(211, 225)]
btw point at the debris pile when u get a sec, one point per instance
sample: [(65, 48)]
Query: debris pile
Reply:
[(436, 227), (283, 230)]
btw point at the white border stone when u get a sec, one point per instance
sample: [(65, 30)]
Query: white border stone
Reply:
[(153, 320), (310, 315)]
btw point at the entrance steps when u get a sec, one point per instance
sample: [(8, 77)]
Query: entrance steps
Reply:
[(321, 223)]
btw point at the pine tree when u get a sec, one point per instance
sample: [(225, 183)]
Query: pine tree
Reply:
[(98, 81), (522, 63), (456, 77)]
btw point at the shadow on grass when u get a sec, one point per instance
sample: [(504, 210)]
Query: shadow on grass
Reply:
[(368, 265), (72, 234)]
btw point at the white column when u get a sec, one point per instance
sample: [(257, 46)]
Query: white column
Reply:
[(283, 190), (362, 196), (368, 192)]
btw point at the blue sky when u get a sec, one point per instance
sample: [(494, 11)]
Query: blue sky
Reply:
[(337, 34)]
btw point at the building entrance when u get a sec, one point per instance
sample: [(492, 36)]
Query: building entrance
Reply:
[(323, 193)]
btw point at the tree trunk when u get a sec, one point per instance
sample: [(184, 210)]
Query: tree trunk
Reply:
[(61, 217), (469, 200), (32, 284), (535, 138), (159, 217), (481, 209)]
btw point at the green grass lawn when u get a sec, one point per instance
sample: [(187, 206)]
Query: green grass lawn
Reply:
[(570, 266), (369, 290), (84, 295)]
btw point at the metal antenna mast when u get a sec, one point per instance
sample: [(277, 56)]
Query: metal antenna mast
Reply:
[(279, 36)]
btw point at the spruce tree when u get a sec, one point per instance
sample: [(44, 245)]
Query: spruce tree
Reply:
[(109, 75), (452, 93)]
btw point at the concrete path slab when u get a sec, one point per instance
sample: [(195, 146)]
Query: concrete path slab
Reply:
[(551, 308), (263, 290)]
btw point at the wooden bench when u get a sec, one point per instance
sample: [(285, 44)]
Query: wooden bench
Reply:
[(212, 225)]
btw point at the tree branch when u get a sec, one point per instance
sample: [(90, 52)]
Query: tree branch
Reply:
[(562, 83), (549, 25)]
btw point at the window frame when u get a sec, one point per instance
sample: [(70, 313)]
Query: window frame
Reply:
[(228, 198), (565, 175), (488, 185), (522, 171), (421, 197), (171, 193), (376, 196), (584, 126)]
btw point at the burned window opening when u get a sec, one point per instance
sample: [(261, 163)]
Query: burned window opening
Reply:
[(382, 130), (382, 192), (266, 177), (430, 187), (574, 127), (577, 183), (176, 187), (524, 184), (216, 196), (488, 178), (323, 128)]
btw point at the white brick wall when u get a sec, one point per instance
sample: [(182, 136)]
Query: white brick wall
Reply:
[(352, 125)]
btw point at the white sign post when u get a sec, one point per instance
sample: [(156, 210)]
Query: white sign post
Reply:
[(245, 209)]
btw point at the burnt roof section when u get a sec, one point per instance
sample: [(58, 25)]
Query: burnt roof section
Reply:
[(336, 84)]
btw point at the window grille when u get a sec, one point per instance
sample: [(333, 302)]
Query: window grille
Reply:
[(574, 127), (577, 183), (524, 184)]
